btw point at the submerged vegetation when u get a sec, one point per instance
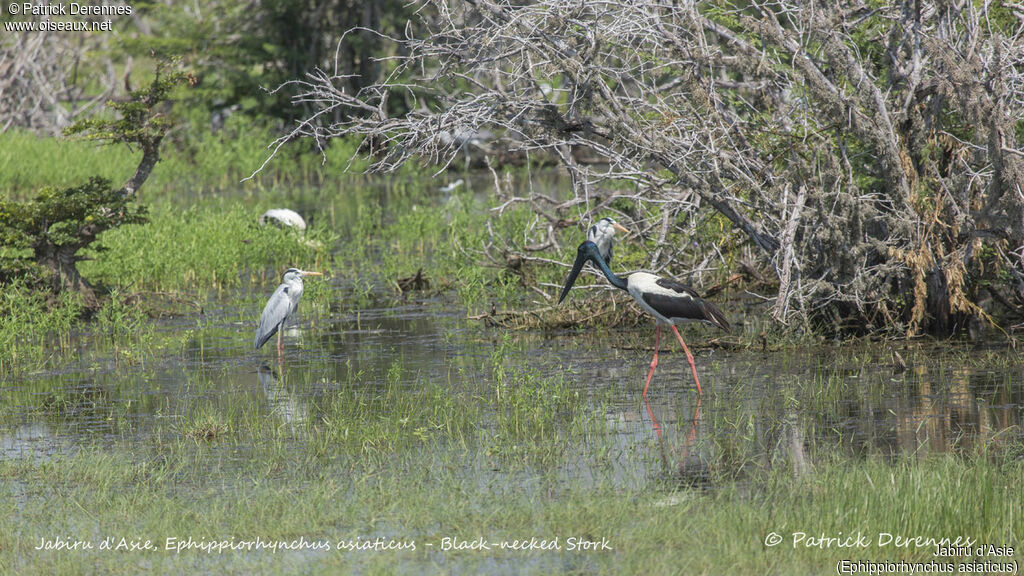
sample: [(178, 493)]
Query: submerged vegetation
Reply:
[(391, 450)]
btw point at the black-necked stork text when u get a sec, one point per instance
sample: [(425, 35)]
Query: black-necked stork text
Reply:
[(668, 301)]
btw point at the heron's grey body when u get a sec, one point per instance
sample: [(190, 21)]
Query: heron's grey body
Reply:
[(603, 234), (280, 307)]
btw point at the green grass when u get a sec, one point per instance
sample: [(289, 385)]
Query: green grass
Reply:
[(192, 491), (211, 246), (192, 162), (29, 162)]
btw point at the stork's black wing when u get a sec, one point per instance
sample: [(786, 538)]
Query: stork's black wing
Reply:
[(685, 304)]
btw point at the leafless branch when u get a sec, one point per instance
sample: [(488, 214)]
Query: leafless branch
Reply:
[(897, 125)]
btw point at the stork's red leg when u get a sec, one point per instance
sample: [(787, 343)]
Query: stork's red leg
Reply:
[(654, 421), (690, 358), (654, 363)]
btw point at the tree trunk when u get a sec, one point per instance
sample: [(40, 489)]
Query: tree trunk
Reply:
[(64, 275)]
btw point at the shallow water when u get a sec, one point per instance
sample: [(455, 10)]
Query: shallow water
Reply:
[(759, 407), (357, 361)]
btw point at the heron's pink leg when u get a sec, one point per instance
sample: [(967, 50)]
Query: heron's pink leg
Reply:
[(280, 344), (690, 358), (654, 363)]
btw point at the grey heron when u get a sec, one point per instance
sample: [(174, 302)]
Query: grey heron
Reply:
[(668, 301), (603, 234), (280, 307)]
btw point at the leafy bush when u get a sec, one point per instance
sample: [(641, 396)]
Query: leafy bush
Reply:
[(47, 232), (43, 236)]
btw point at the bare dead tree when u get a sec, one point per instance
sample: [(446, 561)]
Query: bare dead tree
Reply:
[(57, 224), (43, 84), (870, 154)]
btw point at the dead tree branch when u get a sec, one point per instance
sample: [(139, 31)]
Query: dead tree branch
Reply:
[(897, 125)]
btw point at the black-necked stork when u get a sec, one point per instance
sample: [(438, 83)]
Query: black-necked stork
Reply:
[(603, 234), (280, 307), (670, 302)]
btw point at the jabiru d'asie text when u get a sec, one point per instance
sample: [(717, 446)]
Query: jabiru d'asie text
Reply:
[(668, 301)]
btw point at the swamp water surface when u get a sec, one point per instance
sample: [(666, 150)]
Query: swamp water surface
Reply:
[(475, 422), (852, 399)]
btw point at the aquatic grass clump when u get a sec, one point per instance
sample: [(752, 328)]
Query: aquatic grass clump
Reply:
[(205, 428), (530, 405), (534, 415), (34, 324), (125, 326), (212, 245), (389, 416)]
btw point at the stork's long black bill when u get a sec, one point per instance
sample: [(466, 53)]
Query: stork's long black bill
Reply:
[(581, 259), (588, 251)]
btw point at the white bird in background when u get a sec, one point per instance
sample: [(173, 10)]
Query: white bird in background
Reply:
[(283, 217), (451, 186), (280, 307), (603, 234)]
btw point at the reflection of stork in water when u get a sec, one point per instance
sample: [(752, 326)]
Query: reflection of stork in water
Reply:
[(692, 468)]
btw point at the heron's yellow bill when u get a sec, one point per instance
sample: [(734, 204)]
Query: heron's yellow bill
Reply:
[(304, 273), (620, 227)]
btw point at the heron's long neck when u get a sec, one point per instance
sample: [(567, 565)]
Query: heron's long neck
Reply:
[(296, 288), (616, 281)]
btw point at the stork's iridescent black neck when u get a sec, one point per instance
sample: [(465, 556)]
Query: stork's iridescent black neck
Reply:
[(668, 301), (589, 251)]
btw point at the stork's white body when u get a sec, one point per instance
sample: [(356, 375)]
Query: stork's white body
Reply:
[(669, 302)]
